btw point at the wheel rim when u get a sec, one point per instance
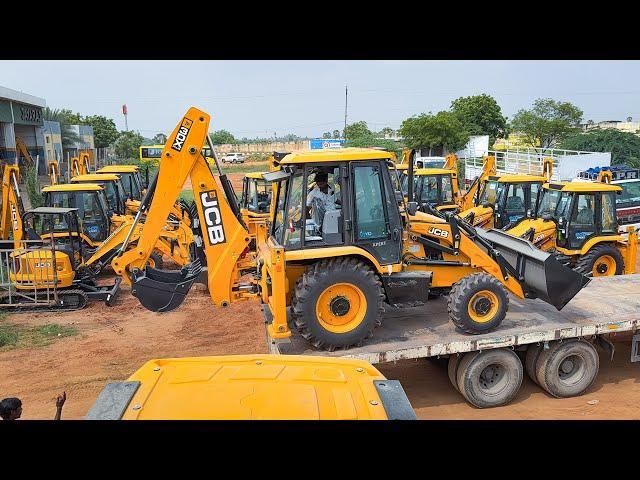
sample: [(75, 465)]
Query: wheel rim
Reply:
[(341, 307), (604, 266), (571, 370), (483, 306), (493, 379)]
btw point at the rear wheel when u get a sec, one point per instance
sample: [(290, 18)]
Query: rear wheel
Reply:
[(567, 368), (452, 370), (489, 378), (603, 260), (533, 352), (477, 303), (337, 303)]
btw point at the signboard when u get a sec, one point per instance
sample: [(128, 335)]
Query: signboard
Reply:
[(321, 143), (24, 114)]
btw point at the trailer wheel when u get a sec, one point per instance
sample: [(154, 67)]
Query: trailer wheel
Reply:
[(567, 368), (337, 303), (533, 352), (490, 378), (452, 369), (477, 303), (603, 260)]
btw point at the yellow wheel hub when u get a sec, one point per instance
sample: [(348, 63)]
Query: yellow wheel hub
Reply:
[(341, 307), (604, 266), (483, 306)]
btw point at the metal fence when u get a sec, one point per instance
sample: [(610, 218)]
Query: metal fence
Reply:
[(29, 275)]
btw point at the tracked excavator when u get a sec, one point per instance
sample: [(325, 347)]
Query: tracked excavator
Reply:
[(577, 222), (336, 270)]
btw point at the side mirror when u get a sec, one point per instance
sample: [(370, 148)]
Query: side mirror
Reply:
[(529, 213), (412, 208)]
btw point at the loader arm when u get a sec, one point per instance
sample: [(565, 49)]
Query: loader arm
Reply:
[(12, 206), (224, 237), (54, 176), (21, 148), (488, 168)]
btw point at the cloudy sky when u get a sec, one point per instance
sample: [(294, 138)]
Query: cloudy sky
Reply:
[(260, 98)]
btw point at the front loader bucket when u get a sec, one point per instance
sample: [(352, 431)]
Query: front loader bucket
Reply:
[(541, 274), (164, 290)]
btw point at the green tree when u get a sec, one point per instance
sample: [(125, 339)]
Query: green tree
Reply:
[(427, 130), (159, 139), (370, 141), (336, 134), (624, 146), (548, 122), (356, 130), (221, 137), (104, 130), (71, 118), (326, 135), (127, 145), (480, 115), (69, 137), (387, 131)]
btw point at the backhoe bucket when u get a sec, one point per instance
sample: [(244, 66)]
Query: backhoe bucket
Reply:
[(164, 290), (544, 276)]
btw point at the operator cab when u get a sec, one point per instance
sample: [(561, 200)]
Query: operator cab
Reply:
[(324, 203), (131, 179), (434, 186), (581, 211), (512, 197), (113, 188), (91, 204), (256, 193)]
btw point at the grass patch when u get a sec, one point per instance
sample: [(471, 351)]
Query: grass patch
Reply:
[(22, 336), (244, 167), (187, 195)]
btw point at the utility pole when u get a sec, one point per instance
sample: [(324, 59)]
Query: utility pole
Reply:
[(124, 112), (346, 95)]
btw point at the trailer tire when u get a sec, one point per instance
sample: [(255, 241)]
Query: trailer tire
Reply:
[(490, 378), (601, 261), (568, 368), (337, 303), (452, 370), (477, 303), (533, 352)]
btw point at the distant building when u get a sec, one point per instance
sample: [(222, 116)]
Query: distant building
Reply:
[(52, 140), (21, 118), (628, 126), (86, 139)]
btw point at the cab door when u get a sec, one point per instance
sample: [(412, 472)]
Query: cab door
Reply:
[(375, 224)]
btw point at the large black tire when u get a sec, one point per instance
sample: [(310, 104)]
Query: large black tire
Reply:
[(533, 352), (452, 370), (317, 280), (461, 296), (490, 378), (592, 264), (567, 368)]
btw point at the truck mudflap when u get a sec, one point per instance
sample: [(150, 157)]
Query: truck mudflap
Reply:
[(164, 290), (539, 273)]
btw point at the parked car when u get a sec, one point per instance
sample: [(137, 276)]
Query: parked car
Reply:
[(233, 158)]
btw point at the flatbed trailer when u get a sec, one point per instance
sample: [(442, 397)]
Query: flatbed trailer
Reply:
[(556, 348)]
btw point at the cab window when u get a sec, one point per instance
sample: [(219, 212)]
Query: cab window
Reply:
[(369, 213), (323, 206), (608, 220), (489, 193), (278, 220)]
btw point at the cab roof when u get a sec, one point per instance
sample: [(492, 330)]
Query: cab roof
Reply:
[(72, 187), (52, 210), (418, 172), (118, 169), (335, 155), (257, 175), (95, 177), (583, 187), (513, 178)]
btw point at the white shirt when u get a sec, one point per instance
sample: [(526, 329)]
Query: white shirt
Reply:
[(327, 199)]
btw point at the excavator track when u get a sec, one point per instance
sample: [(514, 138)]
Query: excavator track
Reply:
[(68, 300)]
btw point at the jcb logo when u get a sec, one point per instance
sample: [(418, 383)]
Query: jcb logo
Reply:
[(43, 265), (181, 136), (212, 217), (438, 232), (14, 218)]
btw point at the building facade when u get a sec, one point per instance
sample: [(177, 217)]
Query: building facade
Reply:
[(21, 124)]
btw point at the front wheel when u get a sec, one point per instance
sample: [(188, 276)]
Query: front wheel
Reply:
[(337, 303), (603, 260), (477, 303)]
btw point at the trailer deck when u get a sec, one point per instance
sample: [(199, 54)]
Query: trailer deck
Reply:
[(606, 305)]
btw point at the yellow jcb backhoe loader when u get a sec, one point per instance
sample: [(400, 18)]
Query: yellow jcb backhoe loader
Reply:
[(254, 387), (505, 199), (12, 206), (577, 222), (80, 165), (336, 264), (54, 172)]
